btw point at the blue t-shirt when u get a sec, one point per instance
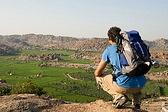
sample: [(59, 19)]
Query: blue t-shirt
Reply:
[(111, 56)]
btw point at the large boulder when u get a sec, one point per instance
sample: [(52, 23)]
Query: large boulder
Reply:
[(25, 103)]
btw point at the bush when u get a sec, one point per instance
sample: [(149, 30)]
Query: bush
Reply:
[(152, 89), (27, 87), (4, 90), (164, 91), (155, 89)]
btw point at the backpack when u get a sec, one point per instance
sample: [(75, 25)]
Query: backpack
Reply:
[(133, 53)]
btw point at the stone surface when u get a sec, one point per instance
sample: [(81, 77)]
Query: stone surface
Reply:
[(33, 103), (24, 103)]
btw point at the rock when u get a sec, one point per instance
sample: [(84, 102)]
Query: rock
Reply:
[(158, 75), (165, 106), (2, 81), (44, 57), (23, 103), (33, 103)]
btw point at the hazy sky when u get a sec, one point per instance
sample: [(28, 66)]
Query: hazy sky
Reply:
[(84, 18)]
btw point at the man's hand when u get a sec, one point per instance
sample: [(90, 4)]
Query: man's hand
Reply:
[(100, 68)]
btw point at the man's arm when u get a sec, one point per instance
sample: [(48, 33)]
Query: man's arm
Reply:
[(100, 68)]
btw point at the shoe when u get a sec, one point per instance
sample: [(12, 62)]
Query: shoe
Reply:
[(119, 103)]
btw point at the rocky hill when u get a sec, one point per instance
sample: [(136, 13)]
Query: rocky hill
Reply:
[(50, 41), (159, 44), (33, 103), (61, 42), (32, 41)]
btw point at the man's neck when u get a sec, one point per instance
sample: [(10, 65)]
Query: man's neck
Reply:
[(111, 42)]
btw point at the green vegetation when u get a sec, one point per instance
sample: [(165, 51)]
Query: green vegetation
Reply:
[(27, 87), (152, 89), (159, 69), (17, 73), (28, 77), (4, 90), (156, 89)]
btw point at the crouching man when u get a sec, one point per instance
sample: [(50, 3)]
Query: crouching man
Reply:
[(118, 84)]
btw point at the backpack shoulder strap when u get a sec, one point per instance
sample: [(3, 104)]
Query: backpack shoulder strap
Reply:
[(119, 39)]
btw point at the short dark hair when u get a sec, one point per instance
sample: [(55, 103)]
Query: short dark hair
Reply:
[(113, 31)]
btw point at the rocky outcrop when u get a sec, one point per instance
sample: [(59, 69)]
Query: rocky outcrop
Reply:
[(165, 106), (161, 56), (158, 75), (86, 55), (43, 57), (33, 103), (25, 103)]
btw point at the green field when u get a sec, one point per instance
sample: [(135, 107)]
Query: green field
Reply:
[(54, 80)]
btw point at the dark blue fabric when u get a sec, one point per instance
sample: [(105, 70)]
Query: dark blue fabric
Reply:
[(138, 44), (141, 49), (134, 36)]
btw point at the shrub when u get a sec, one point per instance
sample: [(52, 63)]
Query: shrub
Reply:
[(155, 89), (4, 90), (27, 87)]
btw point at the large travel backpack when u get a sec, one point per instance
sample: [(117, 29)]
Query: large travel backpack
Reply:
[(133, 53)]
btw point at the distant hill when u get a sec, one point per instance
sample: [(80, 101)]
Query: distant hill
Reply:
[(159, 44), (29, 41)]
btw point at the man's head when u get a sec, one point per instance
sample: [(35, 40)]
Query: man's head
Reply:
[(113, 32)]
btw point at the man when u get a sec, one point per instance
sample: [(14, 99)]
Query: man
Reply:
[(118, 84)]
